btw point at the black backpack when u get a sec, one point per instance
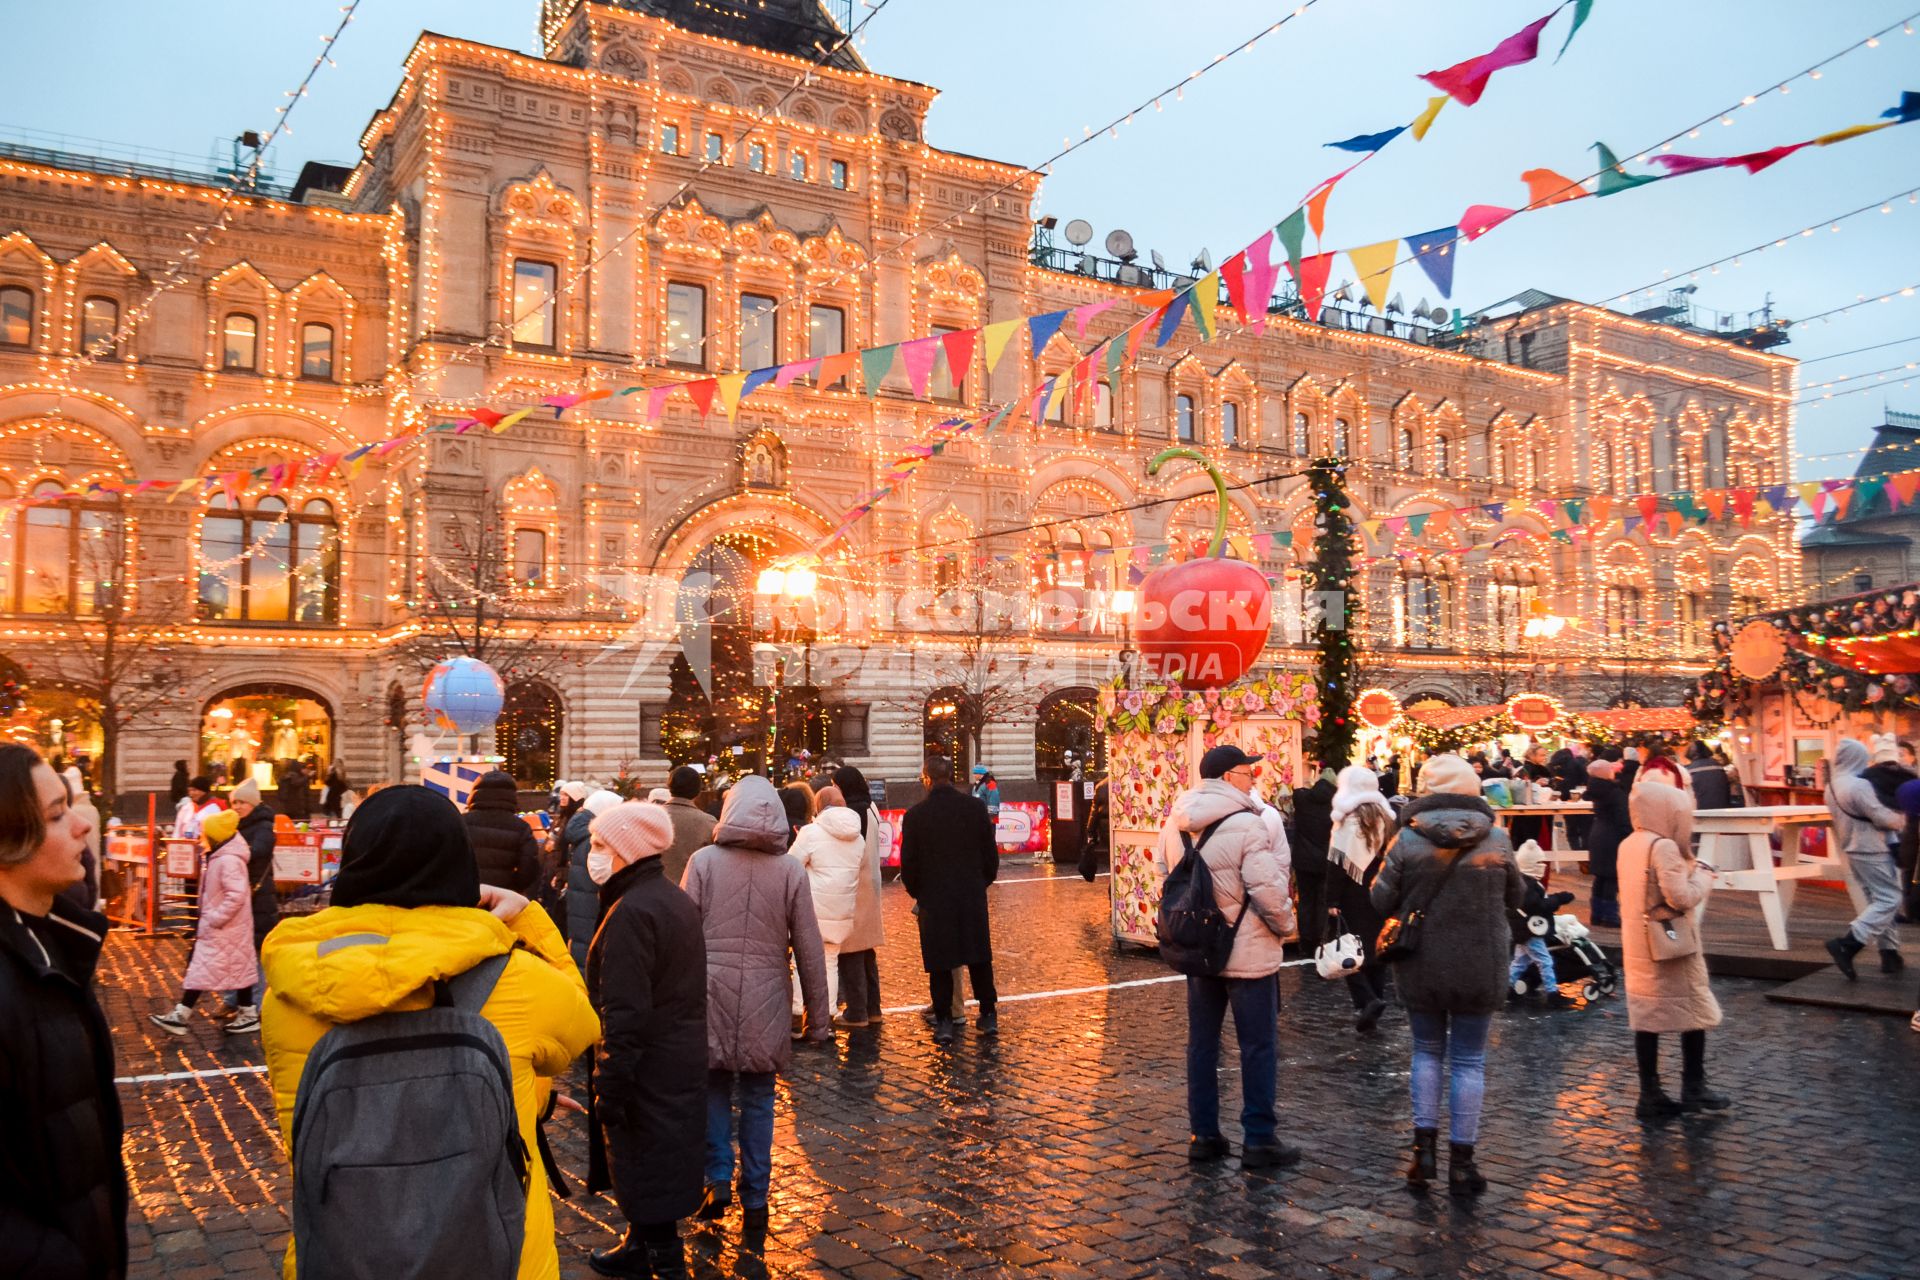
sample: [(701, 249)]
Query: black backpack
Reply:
[(1195, 936)]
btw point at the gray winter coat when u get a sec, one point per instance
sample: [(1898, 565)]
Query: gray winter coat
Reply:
[(1248, 871), (755, 908), (1861, 824), (1465, 944)]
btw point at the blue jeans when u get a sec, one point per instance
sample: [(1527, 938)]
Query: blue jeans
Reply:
[(1533, 951), (1256, 1025), (1467, 1056), (756, 1133)]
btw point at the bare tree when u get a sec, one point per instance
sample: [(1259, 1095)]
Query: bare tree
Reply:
[(120, 655), (971, 677), (474, 604)]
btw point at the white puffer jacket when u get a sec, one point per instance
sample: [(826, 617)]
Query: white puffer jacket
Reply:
[(831, 848)]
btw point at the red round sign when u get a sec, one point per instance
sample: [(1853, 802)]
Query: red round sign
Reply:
[(1534, 712), (1377, 708)]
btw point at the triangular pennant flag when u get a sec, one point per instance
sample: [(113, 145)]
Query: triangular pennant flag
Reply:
[(1057, 397), (1374, 265), (1417, 525), (1206, 297), (1715, 501), (836, 369), (1316, 205), (1433, 250), (1292, 231), (1648, 503), (701, 393), (1368, 141), (1851, 131), (1482, 218), (1313, 282), (919, 356), (1170, 319), (1468, 80), (785, 376), (1140, 330), (1545, 187), (995, 337), (1438, 521), (1262, 273), (729, 386), (1043, 327), (1868, 490), (1037, 407), (1614, 179), (1629, 524), (1233, 274), (1424, 121), (875, 364), (1574, 510), (1262, 543), (1494, 510), (1116, 349), (1905, 484), (1842, 499), (1582, 9), (1599, 509), (1743, 505), (1084, 315), (758, 379), (1371, 527), (958, 347), (182, 487), (657, 401), (1396, 525), (1777, 499), (508, 421)]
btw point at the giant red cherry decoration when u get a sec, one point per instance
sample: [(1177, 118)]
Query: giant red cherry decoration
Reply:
[(1203, 623)]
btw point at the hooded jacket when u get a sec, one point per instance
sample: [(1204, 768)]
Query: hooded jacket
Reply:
[(754, 907), (223, 958), (831, 848), (257, 830), (1249, 873), (63, 1190), (1465, 944), (503, 843), (1861, 824), (1660, 879), (539, 1005)]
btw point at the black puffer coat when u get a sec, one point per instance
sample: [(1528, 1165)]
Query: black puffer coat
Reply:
[(257, 830), (63, 1191), (583, 895), (1461, 966), (503, 844), (647, 974), (947, 860), (1610, 826)]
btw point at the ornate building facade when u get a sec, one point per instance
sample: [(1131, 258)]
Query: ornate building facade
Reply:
[(680, 187)]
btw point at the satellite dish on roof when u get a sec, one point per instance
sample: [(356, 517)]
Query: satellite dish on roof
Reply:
[(1079, 231), (1440, 315), (1120, 245)]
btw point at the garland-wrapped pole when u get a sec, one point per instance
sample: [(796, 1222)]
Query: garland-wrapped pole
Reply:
[(1330, 581)]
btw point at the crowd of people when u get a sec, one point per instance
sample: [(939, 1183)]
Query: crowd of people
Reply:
[(687, 942)]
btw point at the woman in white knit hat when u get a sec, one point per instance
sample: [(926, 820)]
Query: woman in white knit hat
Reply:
[(1362, 828)]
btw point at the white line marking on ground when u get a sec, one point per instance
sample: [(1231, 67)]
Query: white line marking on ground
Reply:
[(1082, 991), (1050, 879), (191, 1075)]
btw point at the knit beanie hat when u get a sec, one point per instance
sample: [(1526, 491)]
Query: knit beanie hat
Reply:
[(601, 801), (1886, 748), (1450, 774), (1604, 769), (574, 790), (634, 830), (247, 792), (219, 827)]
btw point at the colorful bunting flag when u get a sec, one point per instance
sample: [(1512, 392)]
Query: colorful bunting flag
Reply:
[(1313, 282), (758, 379), (996, 336), (875, 364), (1262, 273), (1545, 187), (728, 386), (789, 372), (1424, 121), (1582, 9), (1043, 327), (701, 393), (1433, 250), (1170, 318), (1368, 141), (1614, 179), (1468, 80), (1206, 297), (1292, 231), (919, 356), (1482, 218), (1374, 264), (1085, 315)]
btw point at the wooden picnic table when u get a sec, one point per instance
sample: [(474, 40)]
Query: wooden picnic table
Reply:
[(1559, 811), (1738, 844)]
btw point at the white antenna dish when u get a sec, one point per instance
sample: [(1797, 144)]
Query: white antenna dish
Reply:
[(1159, 263), (1079, 231), (1120, 245), (1202, 262), (1440, 315)]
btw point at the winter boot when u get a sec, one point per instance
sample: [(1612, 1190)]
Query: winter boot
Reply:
[(173, 1021), (628, 1258), (1425, 1165), (1604, 915), (1655, 1104), (943, 1030), (1463, 1175), (1368, 1018), (715, 1204), (667, 1258), (1695, 1096), (245, 1019), (988, 1023), (1843, 949), (1891, 961)]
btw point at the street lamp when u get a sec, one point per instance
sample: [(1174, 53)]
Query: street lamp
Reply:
[(1121, 604), (796, 584)]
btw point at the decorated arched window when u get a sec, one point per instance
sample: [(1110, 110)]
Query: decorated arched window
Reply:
[(1183, 424), (1103, 415), (1515, 583), (1403, 449), (1693, 606), (1230, 424), (1603, 466), (271, 560), (1442, 455), (99, 328), (533, 524), (1342, 438), (240, 342), (16, 317), (1622, 594), (67, 555), (1422, 605), (1752, 583), (1302, 441)]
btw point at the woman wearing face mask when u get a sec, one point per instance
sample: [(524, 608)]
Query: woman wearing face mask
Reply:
[(647, 975)]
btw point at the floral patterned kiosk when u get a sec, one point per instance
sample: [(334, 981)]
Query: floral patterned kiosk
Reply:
[(1156, 735)]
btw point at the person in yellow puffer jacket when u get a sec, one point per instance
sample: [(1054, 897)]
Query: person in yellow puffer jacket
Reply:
[(409, 883)]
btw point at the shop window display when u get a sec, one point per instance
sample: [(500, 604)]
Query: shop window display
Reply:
[(255, 731)]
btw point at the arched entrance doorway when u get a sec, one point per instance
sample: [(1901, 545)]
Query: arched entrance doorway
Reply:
[(257, 730), (948, 729), (1063, 736), (527, 734)]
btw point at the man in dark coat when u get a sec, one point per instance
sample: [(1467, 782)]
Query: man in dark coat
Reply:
[(63, 1191), (256, 828), (947, 860), (1709, 778), (1095, 841), (1611, 825), (647, 974), (1312, 836), (503, 844)]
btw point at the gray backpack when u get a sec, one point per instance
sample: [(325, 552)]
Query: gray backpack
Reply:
[(407, 1155)]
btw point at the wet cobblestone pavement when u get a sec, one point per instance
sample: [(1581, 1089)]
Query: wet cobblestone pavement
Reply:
[(1059, 1149)]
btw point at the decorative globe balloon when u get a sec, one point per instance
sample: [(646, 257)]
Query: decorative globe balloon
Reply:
[(463, 694)]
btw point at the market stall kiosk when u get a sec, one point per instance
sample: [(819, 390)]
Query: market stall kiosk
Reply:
[(1155, 737)]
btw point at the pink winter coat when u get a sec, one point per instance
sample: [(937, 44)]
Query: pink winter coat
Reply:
[(223, 958)]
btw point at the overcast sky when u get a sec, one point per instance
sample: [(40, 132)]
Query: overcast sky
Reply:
[(1244, 145)]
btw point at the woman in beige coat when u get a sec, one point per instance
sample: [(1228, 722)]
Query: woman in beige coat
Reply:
[(1660, 879)]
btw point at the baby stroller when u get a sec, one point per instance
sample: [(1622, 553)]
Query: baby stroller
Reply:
[(1576, 958)]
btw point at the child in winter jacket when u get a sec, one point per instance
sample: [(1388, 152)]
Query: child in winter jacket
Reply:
[(1530, 948), (223, 957)]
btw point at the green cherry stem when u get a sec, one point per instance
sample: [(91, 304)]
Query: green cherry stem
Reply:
[(1219, 489)]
